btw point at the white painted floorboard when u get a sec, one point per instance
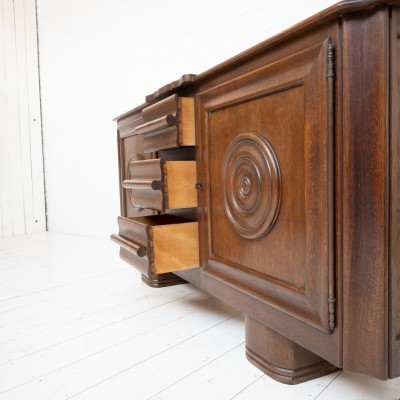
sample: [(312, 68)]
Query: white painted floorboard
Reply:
[(76, 322)]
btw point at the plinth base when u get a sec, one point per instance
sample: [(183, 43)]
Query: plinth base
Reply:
[(280, 358), (158, 281)]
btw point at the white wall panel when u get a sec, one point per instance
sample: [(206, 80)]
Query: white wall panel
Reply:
[(22, 202), (99, 58)]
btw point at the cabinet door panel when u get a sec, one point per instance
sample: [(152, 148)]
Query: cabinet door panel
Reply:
[(268, 145)]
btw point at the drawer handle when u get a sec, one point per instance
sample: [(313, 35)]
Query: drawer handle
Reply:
[(156, 124), (140, 251), (142, 184)]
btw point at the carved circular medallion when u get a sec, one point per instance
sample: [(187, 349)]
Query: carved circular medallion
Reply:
[(251, 185), (133, 157)]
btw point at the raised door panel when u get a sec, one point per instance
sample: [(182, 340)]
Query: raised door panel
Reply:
[(267, 141)]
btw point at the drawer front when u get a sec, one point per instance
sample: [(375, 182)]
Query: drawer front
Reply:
[(159, 244), (168, 124), (145, 184), (161, 185), (135, 253), (130, 149)]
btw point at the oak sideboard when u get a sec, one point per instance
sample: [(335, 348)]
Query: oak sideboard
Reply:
[(272, 181)]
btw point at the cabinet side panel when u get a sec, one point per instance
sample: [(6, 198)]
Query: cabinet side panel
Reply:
[(394, 344), (365, 192)]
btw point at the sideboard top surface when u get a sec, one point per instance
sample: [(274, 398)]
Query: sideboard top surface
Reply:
[(336, 11)]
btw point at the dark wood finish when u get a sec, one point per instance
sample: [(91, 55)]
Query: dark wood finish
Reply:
[(365, 192), (324, 345), (394, 245), (140, 263), (184, 81), (159, 185), (162, 280), (146, 184), (298, 186), (330, 76), (130, 149), (134, 248), (135, 184), (281, 110), (162, 139), (251, 185), (163, 122), (280, 358), (167, 124), (163, 108), (164, 135), (148, 277)]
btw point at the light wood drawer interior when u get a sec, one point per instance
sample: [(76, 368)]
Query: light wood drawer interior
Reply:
[(160, 243), (160, 185)]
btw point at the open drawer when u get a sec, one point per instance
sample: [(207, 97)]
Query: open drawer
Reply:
[(168, 124), (160, 185), (159, 243)]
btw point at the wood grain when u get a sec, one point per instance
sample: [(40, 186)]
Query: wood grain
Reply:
[(157, 124), (325, 274), (174, 247), (184, 81), (283, 360), (179, 181), (144, 184), (130, 147), (365, 192), (158, 185), (172, 243), (160, 128), (138, 250), (160, 109), (187, 136), (279, 103), (394, 260)]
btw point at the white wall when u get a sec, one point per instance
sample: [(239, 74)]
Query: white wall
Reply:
[(22, 202), (99, 58)]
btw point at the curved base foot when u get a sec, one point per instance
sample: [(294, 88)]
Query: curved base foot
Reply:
[(290, 376), (280, 358), (158, 281)]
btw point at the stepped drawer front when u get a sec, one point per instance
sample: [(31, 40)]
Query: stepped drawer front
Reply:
[(160, 185), (168, 124), (159, 244)]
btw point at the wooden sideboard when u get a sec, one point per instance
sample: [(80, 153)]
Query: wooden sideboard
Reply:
[(272, 181)]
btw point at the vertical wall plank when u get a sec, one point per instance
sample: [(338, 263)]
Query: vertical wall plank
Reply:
[(37, 222), (5, 218), (22, 203), (13, 185), (23, 111)]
